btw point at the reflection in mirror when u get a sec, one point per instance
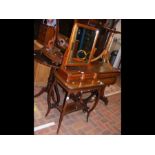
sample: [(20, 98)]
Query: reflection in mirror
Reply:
[(82, 45)]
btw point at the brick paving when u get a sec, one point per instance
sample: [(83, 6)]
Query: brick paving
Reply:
[(104, 120)]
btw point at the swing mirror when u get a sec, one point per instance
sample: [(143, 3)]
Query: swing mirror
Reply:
[(81, 46)]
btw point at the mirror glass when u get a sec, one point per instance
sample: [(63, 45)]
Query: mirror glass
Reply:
[(82, 45)]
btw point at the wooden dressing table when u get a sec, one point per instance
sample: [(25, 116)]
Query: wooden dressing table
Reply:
[(76, 88), (75, 92), (78, 76)]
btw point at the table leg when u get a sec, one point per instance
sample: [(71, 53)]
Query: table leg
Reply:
[(49, 94), (57, 94), (85, 101), (44, 89), (62, 112), (102, 97), (95, 103)]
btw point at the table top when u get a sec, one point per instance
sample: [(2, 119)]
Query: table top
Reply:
[(96, 67), (45, 57)]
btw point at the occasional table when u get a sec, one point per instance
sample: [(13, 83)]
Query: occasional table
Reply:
[(74, 91)]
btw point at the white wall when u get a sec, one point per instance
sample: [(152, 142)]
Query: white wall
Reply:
[(117, 39)]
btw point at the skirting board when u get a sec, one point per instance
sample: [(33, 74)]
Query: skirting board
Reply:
[(44, 126), (110, 94)]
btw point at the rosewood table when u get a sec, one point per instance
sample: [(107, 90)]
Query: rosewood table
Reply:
[(74, 91)]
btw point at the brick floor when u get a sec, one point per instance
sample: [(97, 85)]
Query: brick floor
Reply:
[(102, 121)]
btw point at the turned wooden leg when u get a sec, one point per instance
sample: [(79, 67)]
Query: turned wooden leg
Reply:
[(95, 103), (102, 97), (62, 112)]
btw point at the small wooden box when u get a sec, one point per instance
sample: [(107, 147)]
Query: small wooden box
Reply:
[(46, 33)]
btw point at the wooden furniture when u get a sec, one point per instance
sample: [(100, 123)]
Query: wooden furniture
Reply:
[(51, 42), (41, 73), (52, 61), (75, 91), (96, 70), (104, 26), (77, 81), (45, 39), (78, 75), (81, 46), (46, 34), (45, 64), (41, 68)]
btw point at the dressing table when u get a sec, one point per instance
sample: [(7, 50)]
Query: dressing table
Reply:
[(82, 80)]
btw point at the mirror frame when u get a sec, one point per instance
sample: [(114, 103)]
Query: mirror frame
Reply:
[(72, 39)]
